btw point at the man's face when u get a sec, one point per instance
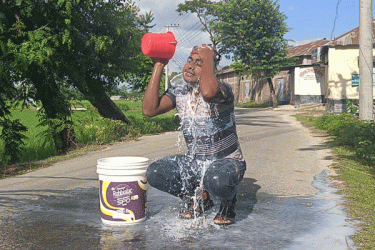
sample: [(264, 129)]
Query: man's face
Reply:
[(192, 69)]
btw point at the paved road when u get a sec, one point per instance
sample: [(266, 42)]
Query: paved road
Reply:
[(286, 200)]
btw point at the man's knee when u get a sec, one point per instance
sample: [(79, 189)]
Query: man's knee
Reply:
[(222, 177), (160, 171), (151, 174)]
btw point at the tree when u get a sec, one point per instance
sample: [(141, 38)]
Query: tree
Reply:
[(252, 31), (139, 77), (113, 31), (47, 46), (204, 10)]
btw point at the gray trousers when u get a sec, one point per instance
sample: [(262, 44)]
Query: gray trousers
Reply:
[(180, 175)]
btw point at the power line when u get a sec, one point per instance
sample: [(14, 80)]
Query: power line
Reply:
[(336, 17), (191, 39), (175, 20), (187, 36), (195, 26), (193, 29), (183, 18)]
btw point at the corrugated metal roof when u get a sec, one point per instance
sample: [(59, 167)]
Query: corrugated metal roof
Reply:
[(225, 69), (350, 37), (295, 51), (304, 50)]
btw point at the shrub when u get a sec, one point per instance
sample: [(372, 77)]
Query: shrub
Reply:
[(100, 130), (351, 132), (252, 104), (352, 107), (88, 125), (12, 135)]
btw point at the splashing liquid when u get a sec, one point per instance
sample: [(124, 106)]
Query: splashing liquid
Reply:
[(209, 133), (194, 101)]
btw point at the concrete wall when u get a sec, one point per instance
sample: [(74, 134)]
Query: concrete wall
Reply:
[(309, 84), (282, 83), (253, 89), (342, 63), (257, 88)]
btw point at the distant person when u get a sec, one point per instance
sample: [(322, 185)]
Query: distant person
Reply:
[(214, 163)]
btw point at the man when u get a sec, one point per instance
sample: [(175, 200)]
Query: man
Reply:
[(214, 163)]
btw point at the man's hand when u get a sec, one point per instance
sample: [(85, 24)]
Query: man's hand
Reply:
[(152, 105), (159, 60), (206, 53)]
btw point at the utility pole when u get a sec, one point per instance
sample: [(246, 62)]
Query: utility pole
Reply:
[(365, 60), (166, 67)]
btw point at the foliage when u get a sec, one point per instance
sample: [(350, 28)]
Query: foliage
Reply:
[(359, 189), (90, 128), (252, 33), (204, 10), (253, 30), (140, 75), (352, 107), (49, 47), (12, 136), (355, 173), (351, 132), (59, 131), (251, 104), (101, 130)]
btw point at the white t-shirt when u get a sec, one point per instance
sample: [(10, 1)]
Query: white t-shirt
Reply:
[(209, 128)]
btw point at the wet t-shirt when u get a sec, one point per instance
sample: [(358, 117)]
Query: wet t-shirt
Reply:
[(209, 128)]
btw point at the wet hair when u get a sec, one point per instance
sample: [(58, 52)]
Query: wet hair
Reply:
[(217, 55)]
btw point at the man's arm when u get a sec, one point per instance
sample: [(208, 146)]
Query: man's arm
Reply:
[(152, 104), (209, 85)]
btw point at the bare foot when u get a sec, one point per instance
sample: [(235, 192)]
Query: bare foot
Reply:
[(220, 220)]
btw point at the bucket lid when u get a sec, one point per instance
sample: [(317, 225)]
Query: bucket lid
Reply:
[(123, 162), (121, 172)]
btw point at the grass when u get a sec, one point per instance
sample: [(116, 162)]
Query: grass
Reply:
[(252, 104), (24, 167), (91, 131), (359, 179), (356, 173)]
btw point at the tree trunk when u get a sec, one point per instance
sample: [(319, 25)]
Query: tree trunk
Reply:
[(95, 94), (107, 108), (272, 92), (237, 90)]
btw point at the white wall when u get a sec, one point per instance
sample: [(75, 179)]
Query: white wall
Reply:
[(309, 81)]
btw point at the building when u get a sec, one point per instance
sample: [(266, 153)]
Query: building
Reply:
[(325, 72), (249, 87), (302, 83), (341, 60), (307, 76)]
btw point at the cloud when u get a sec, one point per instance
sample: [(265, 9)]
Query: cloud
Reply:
[(188, 34), (164, 11)]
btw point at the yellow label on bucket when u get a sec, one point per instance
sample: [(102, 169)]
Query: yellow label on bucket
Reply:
[(123, 201)]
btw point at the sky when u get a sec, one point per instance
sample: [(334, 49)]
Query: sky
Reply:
[(308, 20)]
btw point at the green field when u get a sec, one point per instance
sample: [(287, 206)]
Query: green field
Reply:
[(90, 128)]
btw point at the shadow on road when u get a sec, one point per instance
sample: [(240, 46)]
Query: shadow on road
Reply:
[(244, 117), (247, 198)]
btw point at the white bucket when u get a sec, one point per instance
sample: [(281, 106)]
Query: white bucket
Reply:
[(123, 187)]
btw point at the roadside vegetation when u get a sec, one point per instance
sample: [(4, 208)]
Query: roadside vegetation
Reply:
[(353, 144), (252, 104), (91, 131)]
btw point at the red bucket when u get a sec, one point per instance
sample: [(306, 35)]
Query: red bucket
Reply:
[(161, 45)]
